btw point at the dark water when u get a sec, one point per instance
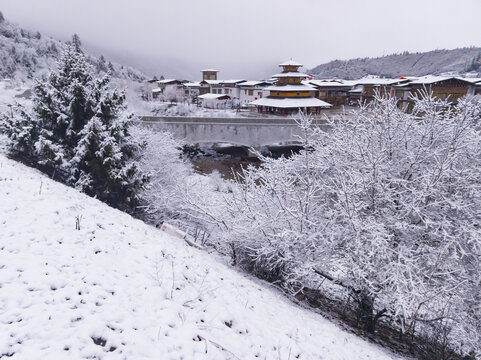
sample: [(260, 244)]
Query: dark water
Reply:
[(228, 160)]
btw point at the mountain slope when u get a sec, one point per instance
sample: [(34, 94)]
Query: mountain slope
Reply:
[(415, 64), (119, 289), (25, 54)]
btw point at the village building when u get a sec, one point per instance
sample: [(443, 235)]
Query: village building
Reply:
[(148, 89), (211, 86), (231, 88), (477, 88), (215, 101), (443, 87), (334, 92), (291, 90), (363, 90), (252, 90), (192, 90), (290, 94), (168, 90), (209, 74)]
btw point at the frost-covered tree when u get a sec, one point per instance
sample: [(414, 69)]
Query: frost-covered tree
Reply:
[(76, 43), (384, 205), (78, 129), (163, 161), (102, 64)]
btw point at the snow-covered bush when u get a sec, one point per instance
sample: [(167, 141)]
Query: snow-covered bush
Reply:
[(162, 160), (78, 130), (385, 204)]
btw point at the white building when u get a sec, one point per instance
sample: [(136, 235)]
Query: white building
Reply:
[(215, 101), (171, 90), (252, 90)]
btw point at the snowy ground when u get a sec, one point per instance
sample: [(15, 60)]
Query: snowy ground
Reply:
[(120, 289)]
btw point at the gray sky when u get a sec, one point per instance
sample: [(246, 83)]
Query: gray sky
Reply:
[(247, 38)]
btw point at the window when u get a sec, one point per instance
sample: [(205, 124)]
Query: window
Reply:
[(251, 92)]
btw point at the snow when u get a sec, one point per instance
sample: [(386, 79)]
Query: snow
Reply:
[(290, 74), (232, 81), (135, 291), (431, 79), (290, 63), (192, 84), (168, 81), (291, 102), (210, 96), (253, 83), (322, 83)]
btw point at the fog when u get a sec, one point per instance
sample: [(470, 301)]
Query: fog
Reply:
[(246, 39)]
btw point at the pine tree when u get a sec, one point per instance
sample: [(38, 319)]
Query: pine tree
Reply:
[(102, 64), (79, 130), (111, 68), (77, 44)]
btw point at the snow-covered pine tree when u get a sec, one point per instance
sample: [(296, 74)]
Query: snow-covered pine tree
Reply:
[(102, 64), (77, 44), (79, 130)]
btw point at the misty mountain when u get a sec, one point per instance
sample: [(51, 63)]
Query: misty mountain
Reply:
[(435, 62), (25, 54)]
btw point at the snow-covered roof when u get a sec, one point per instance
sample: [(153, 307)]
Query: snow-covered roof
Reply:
[(213, 82), (291, 74), (471, 80), (192, 84), (232, 81), (356, 89), (333, 83), (157, 90), (209, 70), (295, 88), (290, 63), (430, 79), (378, 81), (287, 103), (254, 83), (211, 96), (167, 81)]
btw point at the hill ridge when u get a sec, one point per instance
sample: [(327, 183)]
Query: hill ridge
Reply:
[(436, 62)]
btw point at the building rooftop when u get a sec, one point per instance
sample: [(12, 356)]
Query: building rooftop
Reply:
[(291, 74), (211, 96), (430, 79), (210, 70), (192, 84), (378, 81), (295, 88), (255, 83), (167, 81), (232, 81), (330, 83), (290, 63)]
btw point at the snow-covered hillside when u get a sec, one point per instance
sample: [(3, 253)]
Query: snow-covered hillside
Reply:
[(414, 64), (119, 289), (25, 54)]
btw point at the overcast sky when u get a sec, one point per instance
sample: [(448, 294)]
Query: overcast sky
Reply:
[(247, 38)]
